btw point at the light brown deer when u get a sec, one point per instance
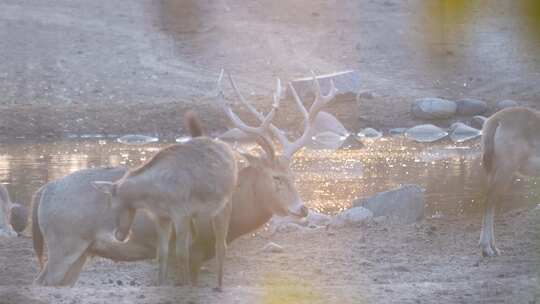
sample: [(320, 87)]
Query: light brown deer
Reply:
[(510, 144), (178, 184)]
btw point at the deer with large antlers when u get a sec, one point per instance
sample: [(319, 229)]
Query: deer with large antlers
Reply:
[(510, 144)]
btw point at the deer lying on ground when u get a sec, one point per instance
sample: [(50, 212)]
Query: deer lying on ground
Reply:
[(15, 216), (265, 187), (510, 144), (178, 184)]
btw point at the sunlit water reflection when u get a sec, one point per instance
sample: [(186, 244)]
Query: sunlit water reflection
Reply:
[(327, 181)]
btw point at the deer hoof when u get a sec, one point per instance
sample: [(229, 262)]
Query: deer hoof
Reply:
[(488, 252)]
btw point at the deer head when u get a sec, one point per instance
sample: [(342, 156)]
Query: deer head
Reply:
[(272, 178)]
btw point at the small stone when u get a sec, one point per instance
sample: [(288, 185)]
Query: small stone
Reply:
[(369, 134), (397, 131), (460, 132), (317, 219), (352, 217), (272, 248), (119, 283), (433, 108), (425, 133), (136, 139), (141, 296), (471, 107), (507, 103)]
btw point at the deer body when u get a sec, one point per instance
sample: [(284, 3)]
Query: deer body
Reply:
[(510, 145)]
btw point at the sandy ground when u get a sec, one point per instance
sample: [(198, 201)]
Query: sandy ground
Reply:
[(135, 66), (433, 261)]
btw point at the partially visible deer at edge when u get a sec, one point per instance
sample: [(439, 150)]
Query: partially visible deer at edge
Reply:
[(510, 144), (15, 215)]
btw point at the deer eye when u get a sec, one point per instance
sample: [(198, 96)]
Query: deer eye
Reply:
[(278, 181)]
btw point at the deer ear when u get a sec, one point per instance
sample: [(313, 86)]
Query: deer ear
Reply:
[(254, 161), (105, 187)]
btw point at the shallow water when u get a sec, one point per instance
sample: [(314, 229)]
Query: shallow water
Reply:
[(327, 181)]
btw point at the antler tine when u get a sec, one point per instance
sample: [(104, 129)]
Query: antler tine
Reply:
[(237, 121), (278, 134), (309, 117), (321, 100)]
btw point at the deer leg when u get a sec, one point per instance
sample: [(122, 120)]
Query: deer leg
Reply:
[(220, 225), (74, 271), (60, 261), (183, 242), (164, 235), (498, 183), (196, 257)]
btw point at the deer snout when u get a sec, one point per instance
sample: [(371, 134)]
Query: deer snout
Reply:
[(299, 210)]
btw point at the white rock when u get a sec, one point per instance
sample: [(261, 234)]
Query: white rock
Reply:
[(369, 134), (433, 108), (461, 132), (397, 131), (352, 217), (318, 219), (272, 248), (403, 205), (346, 82), (136, 139), (469, 106), (183, 139), (425, 133)]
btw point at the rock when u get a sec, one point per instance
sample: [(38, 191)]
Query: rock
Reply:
[(317, 219), (352, 217), (327, 132), (369, 134), (426, 133), (404, 205), (272, 248), (184, 139), (507, 103), (461, 132), (471, 107), (346, 82), (136, 139), (287, 228), (397, 131), (478, 121), (433, 108)]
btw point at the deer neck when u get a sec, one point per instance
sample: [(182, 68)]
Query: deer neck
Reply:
[(249, 210)]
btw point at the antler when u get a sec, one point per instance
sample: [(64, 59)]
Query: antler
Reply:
[(260, 131), (289, 148)]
